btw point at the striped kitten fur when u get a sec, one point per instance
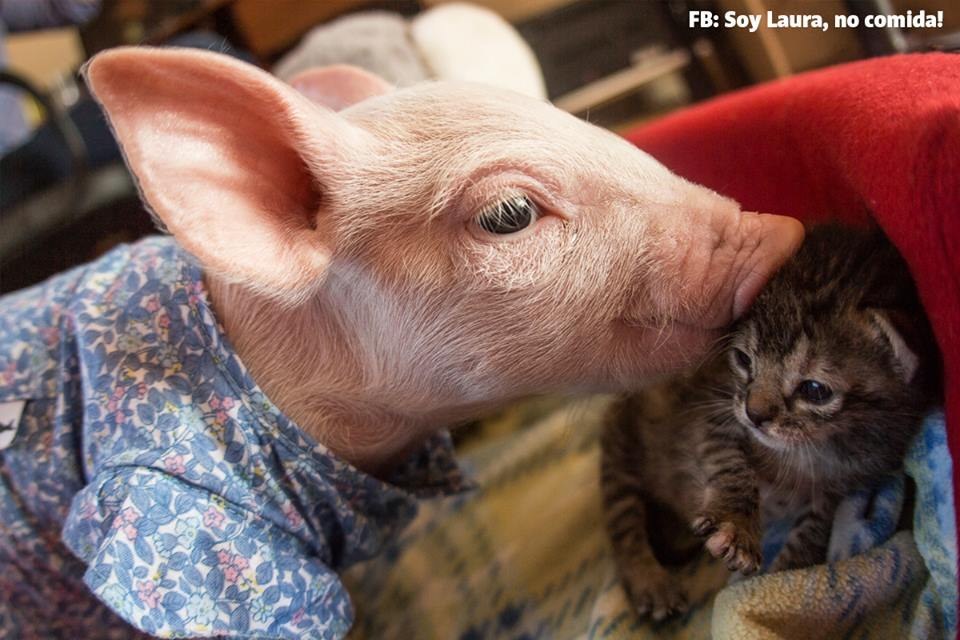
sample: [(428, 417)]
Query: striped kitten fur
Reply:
[(818, 391)]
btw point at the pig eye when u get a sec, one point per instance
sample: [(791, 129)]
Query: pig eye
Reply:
[(509, 216)]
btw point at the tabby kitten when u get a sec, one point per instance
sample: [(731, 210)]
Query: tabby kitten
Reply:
[(818, 392)]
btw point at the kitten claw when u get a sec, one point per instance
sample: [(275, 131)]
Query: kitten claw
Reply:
[(656, 599), (703, 526), (736, 547)]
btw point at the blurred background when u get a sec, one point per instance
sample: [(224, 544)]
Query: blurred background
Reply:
[(65, 196)]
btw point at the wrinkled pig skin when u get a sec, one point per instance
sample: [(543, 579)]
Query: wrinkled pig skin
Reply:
[(344, 258)]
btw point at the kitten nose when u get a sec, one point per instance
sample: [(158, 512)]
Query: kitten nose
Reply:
[(761, 409)]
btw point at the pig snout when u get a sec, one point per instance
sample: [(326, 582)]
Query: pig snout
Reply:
[(775, 239), (696, 263), (727, 261)]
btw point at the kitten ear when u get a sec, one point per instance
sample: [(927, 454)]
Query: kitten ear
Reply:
[(885, 323)]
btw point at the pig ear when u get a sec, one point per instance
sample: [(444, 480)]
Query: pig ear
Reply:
[(236, 164), (340, 86)]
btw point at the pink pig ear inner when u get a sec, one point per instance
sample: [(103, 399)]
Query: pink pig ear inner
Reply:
[(220, 151), (339, 86)]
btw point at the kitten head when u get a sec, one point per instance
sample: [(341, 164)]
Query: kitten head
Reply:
[(832, 357)]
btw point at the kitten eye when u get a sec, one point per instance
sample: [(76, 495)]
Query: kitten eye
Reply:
[(742, 359), (814, 392), (509, 216)]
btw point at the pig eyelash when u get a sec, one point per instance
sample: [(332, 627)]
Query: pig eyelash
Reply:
[(508, 216)]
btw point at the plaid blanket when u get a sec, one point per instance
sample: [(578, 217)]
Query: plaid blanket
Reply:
[(526, 555)]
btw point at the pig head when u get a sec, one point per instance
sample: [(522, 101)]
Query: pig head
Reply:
[(425, 254)]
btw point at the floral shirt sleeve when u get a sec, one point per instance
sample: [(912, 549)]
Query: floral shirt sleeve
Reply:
[(196, 507), (174, 559)]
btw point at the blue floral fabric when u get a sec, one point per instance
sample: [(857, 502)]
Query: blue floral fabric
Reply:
[(151, 481)]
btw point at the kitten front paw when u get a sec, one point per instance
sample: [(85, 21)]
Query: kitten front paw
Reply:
[(655, 594), (737, 545)]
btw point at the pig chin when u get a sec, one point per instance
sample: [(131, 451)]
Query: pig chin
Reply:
[(644, 352), (656, 342)]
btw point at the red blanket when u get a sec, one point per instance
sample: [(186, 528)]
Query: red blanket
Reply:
[(878, 138)]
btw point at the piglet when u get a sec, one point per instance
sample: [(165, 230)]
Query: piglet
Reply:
[(207, 430)]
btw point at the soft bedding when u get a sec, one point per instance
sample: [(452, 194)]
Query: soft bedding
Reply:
[(526, 556)]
